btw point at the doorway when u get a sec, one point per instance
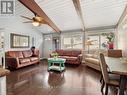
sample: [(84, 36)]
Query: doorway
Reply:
[(56, 43)]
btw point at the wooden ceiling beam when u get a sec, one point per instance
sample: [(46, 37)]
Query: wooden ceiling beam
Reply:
[(34, 7), (79, 12)]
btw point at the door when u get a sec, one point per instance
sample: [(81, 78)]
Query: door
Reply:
[(56, 43)]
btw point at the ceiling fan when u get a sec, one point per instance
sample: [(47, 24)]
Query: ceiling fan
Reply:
[(36, 21)]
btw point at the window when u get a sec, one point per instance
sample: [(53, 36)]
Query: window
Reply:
[(67, 43), (73, 42), (77, 42), (94, 42), (103, 41), (97, 42)]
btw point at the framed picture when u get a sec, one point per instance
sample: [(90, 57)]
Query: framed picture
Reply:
[(19, 41)]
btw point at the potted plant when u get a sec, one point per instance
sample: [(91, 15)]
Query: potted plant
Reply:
[(110, 39), (54, 55)]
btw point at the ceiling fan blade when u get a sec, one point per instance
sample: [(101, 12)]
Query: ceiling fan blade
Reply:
[(26, 17), (28, 22)]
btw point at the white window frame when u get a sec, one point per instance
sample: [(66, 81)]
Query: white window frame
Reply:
[(72, 43)]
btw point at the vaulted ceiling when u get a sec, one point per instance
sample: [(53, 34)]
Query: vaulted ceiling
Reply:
[(22, 10), (95, 13), (98, 13), (62, 13)]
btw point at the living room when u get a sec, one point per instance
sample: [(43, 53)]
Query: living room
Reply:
[(36, 34)]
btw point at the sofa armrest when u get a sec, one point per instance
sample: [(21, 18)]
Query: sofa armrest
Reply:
[(80, 57), (50, 55), (12, 61), (36, 54)]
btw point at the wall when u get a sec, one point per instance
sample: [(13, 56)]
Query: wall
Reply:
[(14, 25), (48, 45), (122, 36)]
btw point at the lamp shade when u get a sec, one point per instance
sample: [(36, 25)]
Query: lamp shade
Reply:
[(89, 42)]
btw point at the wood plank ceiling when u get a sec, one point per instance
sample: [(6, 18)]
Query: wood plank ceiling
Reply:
[(78, 14), (100, 13), (20, 9), (62, 13), (33, 6)]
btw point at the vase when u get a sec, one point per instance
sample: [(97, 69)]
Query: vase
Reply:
[(111, 45)]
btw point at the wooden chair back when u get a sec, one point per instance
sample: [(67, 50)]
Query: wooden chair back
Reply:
[(104, 68)]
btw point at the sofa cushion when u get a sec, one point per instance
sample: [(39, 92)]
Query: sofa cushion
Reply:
[(91, 56), (27, 53), (24, 60), (97, 53), (63, 57), (92, 60), (67, 53), (76, 53), (72, 58), (95, 56), (17, 54), (68, 57), (60, 52), (33, 59), (88, 55)]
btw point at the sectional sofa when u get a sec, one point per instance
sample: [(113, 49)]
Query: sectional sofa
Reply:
[(18, 59), (92, 60), (71, 56)]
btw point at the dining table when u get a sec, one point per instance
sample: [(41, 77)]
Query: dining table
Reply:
[(118, 66)]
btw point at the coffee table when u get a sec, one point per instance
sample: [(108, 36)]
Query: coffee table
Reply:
[(56, 64)]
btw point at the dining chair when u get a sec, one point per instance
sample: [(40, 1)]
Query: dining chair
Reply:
[(115, 53), (107, 79)]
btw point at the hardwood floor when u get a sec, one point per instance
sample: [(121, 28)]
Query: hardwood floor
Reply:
[(36, 80)]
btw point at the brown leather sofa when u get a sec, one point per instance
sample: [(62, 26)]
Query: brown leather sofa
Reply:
[(18, 59), (92, 60), (71, 56)]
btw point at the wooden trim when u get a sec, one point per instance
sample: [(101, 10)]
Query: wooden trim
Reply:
[(79, 12), (34, 7)]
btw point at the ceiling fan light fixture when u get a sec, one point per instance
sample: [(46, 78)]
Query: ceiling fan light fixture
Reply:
[(35, 23)]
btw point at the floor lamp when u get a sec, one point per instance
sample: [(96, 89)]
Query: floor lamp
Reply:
[(88, 44)]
